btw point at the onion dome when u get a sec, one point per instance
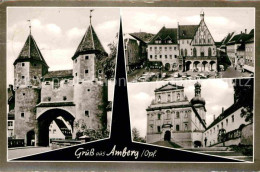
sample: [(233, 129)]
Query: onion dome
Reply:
[(197, 84), (197, 100)]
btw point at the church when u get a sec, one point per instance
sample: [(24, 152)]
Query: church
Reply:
[(172, 117), (39, 96)]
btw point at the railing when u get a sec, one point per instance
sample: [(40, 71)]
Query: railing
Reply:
[(234, 134), (15, 143)]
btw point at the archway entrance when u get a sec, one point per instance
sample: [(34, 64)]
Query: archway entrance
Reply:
[(197, 144), (188, 65), (212, 65), (30, 138), (204, 63), (46, 119), (167, 66), (167, 135)]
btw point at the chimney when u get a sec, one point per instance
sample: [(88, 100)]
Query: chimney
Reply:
[(245, 31), (222, 109)]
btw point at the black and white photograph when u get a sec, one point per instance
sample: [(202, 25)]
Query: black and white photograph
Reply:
[(165, 44), (208, 116), (60, 68)]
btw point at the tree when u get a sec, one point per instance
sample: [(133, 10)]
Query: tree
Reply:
[(136, 136), (109, 62)]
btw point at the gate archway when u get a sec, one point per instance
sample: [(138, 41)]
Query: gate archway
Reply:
[(30, 138), (167, 135), (44, 121), (188, 63)]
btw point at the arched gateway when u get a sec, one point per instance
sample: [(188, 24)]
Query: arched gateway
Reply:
[(44, 121)]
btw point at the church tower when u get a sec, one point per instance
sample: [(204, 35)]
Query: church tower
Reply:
[(198, 102), (29, 67), (90, 92)]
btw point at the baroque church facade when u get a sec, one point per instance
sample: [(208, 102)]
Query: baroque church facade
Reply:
[(171, 116), (39, 96), (185, 48)]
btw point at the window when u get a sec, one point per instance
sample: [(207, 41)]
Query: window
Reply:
[(159, 98), (185, 126), (54, 131), (88, 89), (151, 48), (170, 56), (170, 48), (186, 114), (174, 48), (49, 98), (47, 83), (22, 64), (169, 97), (35, 77), (221, 124), (64, 98), (226, 122), (65, 81), (159, 116), (75, 60), (177, 114), (22, 77), (22, 114), (175, 56), (151, 56), (86, 71), (10, 123), (56, 83), (158, 129), (155, 56), (233, 118), (86, 57), (34, 64), (160, 56), (76, 74), (166, 56), (160, 48), (177, 127), (99, 71), (194, 52), (181, 52), (178, 96), (209, 52), (185, 52), (86, 113)]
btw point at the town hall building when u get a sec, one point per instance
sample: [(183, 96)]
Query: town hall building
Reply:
[(40, 96), (185, 48)]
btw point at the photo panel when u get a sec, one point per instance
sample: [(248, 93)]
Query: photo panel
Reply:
[(169, 43), (60, 76), (212, 117)]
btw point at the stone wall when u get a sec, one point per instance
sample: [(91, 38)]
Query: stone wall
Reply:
[(247, 135)]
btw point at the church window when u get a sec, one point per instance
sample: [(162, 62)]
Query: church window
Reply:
[(178, 96), (177, 127), (22, 114), (159, 98), (86, 57), (64, 98), (186, 114), (158, 129), (22, 64), (86, 71), (56, 83), (177, 114), (86, 113), (159, 116), (233, 119), (185, 126), (169, 97)]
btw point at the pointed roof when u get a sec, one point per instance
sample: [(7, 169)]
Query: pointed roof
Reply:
[(187, 31), (89, 43), (168, 87), (30, 51), (164, 34), (142, 36)]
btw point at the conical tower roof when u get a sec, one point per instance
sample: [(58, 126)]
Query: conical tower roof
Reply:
[(30, 51), (90, 43)]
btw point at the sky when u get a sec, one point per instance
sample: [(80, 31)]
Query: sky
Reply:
[(217, 93), (220, 21), (57, 32)]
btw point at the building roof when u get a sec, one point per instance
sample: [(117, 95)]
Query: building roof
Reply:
[(168, 87), (239, 38), (89, 43), (142, 36), (226, 113), (59, 74), (187, 31), (30, 51), (164, 34), (250, 40)]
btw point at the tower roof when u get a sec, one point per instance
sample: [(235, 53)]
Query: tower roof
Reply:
[(90, 43), (30, 52)]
